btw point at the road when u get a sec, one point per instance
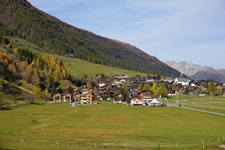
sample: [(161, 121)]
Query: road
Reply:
[(205, 111)]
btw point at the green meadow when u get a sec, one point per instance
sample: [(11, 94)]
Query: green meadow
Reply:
[(78, 67), (108, 126), (213, 103)]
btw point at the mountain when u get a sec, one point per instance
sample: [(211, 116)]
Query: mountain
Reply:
[(20, 18), (198, 72)]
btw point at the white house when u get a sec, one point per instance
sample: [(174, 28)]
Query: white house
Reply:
[(182, 81), (136, 102)]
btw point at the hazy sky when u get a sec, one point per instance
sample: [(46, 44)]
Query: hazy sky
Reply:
[(180, 30)]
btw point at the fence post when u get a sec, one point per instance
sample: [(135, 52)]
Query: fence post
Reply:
[(203, 144)]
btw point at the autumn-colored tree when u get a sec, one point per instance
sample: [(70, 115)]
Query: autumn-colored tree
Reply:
[(219, 90), (12, 69), (154, 87), (88, 85), (211, 90), (1, 84), (52, 61), (6, 58), (95, 91), (124, 86), (37, 92), (45, 95)]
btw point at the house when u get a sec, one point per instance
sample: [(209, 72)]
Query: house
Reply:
[(223, 93), (118, 98), (182, 81), (86, 99), (77, 97), (57, 97), (136, 102), (169, 80), (67, 98), (146, 96)]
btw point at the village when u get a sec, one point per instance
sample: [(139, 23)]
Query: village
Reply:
[(136, 91)]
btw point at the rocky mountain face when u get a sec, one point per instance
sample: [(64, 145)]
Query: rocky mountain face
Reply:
[(197, 72), (20, 18)]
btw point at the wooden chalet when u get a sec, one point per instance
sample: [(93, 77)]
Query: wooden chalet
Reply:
[(67, 98), (86, 99), (135, 101), (57, 97)]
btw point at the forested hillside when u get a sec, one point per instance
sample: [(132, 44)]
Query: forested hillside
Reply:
[(21, 65), (20, 18)]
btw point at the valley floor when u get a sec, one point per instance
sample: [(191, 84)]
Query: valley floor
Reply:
[(108, 126)]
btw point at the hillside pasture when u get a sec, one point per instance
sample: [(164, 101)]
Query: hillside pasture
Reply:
[(108, 126), (77, 67)]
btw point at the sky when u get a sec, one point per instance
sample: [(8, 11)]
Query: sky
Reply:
[(179, 30)]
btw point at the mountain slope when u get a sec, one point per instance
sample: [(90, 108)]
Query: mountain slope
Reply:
[(18, 17), (186, 68), (198, 72)]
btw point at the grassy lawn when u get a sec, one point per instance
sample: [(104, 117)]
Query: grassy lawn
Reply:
[(108, 126)]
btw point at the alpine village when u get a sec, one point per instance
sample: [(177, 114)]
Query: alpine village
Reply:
[(47, 62)]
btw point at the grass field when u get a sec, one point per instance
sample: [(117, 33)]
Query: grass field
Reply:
[(108, 126), (213, 103), (79, 67)]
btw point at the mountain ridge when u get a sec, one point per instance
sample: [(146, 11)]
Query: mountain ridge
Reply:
[(20, 18), (198, 72)]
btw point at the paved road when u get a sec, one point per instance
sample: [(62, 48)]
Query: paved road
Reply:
[(205, 111), (199, 110)]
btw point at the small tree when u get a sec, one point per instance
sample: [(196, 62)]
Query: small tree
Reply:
[(70, 90), (37, 92), (140, 87), (88, 85), (6, 41), (1, 85), (154, 87), (219, 90), (211, 89), (146, 87), (124, 86), (162, 91), (45, 95)]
